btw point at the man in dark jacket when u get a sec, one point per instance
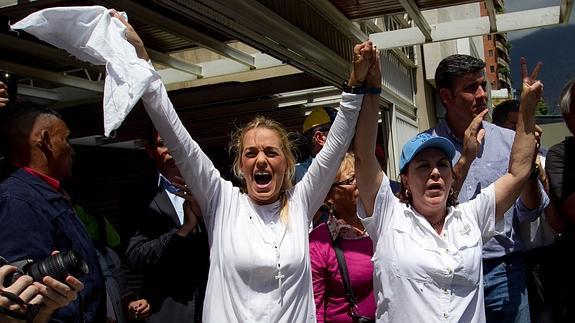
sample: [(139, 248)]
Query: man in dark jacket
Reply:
[(170, 247), (561, 175), (35, 214)]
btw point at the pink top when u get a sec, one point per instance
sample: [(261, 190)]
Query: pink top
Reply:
[(329, 293)]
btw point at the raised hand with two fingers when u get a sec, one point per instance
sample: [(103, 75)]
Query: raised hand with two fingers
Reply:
[(532, 87)]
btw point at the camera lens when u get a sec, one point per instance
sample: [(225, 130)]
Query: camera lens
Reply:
[(59, 266)]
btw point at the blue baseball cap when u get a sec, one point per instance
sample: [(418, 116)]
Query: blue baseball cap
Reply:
[(423, 141)]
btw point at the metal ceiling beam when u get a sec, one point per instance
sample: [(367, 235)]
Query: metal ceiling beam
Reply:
[(413, 11), (248, 75), (37, 92), (492, 18), (17, 44), (172, 26), (566, 7), (339, 20), (174, 62), (403, 58), (344, 25), (506, 22), (256, 16), (347, 27), (52, 77), (261, 28), (528, 19), (58, 95)]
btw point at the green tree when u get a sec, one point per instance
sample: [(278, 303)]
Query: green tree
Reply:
[(503, 70), (542, 107)]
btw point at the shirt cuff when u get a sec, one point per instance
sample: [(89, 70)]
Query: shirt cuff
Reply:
[(526, 214), (351, 100)]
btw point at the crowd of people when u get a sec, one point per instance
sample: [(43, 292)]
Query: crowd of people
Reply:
[(472, 233)]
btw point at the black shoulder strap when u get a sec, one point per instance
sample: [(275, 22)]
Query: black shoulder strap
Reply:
[(344, 274), (31, 310), (12, 314)]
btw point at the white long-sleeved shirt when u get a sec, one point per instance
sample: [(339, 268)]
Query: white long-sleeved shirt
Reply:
[(243, 236), (420, 276)]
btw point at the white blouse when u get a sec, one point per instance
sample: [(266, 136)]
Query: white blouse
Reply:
[(420, 276), (259, 266)]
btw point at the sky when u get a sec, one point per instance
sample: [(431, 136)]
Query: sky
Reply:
[(517, 5), (552, 72)]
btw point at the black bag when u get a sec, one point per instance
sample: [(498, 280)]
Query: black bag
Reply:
[(353, 308)]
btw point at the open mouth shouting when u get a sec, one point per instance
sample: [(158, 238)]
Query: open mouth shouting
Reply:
[(262, 179), (434, 189)]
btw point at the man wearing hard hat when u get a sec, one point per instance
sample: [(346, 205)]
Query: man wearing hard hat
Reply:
[(315, 129)]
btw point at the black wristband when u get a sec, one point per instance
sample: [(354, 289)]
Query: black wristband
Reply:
[(372, 90), (351, 89), (360, 89)]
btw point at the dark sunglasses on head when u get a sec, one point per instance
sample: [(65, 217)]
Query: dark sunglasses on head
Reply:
[(348, 181)]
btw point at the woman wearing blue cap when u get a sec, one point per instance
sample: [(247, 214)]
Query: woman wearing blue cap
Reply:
[(427, 257)]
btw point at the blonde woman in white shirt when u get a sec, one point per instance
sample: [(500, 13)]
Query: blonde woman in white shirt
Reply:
[(259, 255), (427, 249)]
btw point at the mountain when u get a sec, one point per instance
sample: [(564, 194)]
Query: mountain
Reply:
[(555, 47)]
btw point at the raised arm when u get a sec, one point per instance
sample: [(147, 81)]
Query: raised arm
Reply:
[(316, 182), (472, 141), (196, 168), (533, 195), (509, 186), (368, 172)]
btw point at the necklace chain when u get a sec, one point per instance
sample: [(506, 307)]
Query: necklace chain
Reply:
[(276, 245)]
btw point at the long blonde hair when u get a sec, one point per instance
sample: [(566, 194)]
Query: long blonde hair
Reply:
[(236, 147)]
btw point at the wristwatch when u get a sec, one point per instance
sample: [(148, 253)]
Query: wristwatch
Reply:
[(360, 89)]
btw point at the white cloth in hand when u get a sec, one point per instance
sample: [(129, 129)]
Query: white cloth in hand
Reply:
[(92, 35)]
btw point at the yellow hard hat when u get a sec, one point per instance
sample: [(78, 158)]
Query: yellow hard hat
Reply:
[(319, 116)]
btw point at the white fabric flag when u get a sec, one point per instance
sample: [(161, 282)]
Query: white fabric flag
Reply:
[(92, 35)]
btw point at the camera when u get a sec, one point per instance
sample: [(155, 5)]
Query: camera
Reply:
[(57, 266)]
